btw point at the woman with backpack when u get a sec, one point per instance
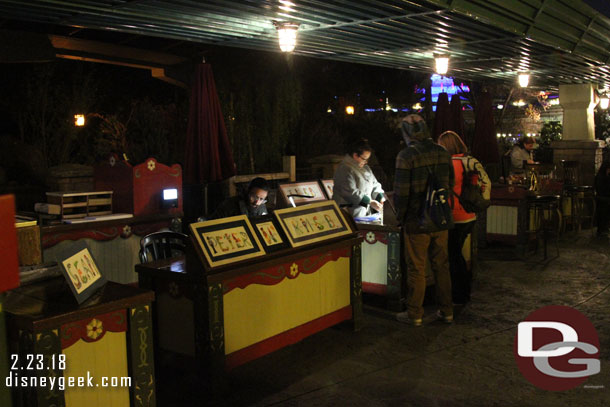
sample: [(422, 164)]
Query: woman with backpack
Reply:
[(471, 194)]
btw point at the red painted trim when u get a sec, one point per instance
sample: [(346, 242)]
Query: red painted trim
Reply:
[(102, 234), (114, 321), (374, 288), (286, 338), (276, 274), (373, 236)]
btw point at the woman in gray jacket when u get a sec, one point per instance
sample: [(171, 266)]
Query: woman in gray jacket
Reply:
[(355, 187)]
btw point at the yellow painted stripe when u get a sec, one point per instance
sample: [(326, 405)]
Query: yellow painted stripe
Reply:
[(106, 357), (261, 311)]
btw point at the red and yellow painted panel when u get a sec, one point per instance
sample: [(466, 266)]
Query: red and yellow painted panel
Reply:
[(374, 262), (96, 347), (268, 302)]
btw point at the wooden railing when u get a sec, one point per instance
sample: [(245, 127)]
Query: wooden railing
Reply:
[(288, 174)]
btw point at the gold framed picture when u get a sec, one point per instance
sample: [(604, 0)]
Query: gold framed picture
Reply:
[(312, 223), (81, 271), (327, 186), (270, 233), (301, 193), (227, 240)]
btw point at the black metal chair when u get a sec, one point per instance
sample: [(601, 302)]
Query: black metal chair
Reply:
[(162, 245)]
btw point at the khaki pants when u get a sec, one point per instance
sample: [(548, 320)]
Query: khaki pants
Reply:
[(420, 248)]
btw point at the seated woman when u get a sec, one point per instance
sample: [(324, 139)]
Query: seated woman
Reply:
[(355, 187), (522, 151), (251, 202)]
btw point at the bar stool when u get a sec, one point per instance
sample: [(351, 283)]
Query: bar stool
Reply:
[(582, 205), (545, 218), (582, 197)]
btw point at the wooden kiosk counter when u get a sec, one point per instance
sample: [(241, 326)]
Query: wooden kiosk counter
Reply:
[(254, 286)]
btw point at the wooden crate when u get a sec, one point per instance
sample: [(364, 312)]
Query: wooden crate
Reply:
[(29, 249), (81, 204)]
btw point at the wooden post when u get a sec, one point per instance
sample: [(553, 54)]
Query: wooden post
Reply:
[(289, 166)]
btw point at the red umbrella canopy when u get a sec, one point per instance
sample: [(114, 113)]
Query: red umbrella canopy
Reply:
[(442, 119), (208, 155), (485, 142), (457, 118)]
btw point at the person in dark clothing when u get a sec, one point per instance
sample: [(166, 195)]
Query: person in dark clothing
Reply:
[(602, 191), (424, 242), (250, 203)]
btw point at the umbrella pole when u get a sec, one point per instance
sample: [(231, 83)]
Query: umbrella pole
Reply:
[(205, 199)]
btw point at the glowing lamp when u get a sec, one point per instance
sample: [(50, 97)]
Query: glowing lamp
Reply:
[(287, 34), (349, 109), (79, 120), (524, 79), (442, 64)]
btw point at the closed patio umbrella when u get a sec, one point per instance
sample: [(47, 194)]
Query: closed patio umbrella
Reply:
[(457, 118), (208, 156), (442, 119), (485, 142)]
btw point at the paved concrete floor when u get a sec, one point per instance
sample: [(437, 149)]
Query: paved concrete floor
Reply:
[(469, 363)]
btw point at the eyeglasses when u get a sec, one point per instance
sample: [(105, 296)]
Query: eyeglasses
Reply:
[(365, 160)]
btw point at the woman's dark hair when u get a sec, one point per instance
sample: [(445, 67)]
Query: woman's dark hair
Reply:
[(258, 182), (359, 147)]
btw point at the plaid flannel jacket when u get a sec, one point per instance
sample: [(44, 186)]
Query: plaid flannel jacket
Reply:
[(411, 177)]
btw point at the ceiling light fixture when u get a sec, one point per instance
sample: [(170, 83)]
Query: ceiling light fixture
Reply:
[(524, 79), (442, 63), (287, 34)]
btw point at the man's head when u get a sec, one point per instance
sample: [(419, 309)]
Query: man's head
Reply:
[(258, 189), (413, 128), (527, 143)]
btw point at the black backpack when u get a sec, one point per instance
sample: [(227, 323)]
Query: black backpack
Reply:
[(471, 198), (435, 208)]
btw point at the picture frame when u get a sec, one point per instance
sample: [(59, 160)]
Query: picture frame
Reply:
[(270, 233), (224, 241), (327, 187), (81, 271), (312, 223), (301, 193)]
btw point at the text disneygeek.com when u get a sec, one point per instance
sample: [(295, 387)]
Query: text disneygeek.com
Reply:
[(61, 382)]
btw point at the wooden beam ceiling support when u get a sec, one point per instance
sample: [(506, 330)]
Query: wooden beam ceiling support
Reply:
[(100, 52)]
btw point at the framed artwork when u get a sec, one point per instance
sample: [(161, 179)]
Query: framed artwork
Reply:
[(327, 186), (270, 233), (226, 240), (80, 270), (312, 223), (301, 193)]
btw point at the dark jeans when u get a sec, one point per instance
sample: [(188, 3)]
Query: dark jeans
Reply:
[(461, 276), (603, 215)]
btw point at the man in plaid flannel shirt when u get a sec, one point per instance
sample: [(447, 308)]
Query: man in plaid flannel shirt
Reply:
[(424, 241)]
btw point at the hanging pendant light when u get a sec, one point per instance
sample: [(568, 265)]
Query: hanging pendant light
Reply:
[(524, 79), (287, 34), (442, 63)]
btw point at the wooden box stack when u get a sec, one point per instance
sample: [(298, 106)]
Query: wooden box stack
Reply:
[(72, 205)]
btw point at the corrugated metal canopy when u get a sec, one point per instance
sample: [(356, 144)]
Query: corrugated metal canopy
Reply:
[(558, 41)]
